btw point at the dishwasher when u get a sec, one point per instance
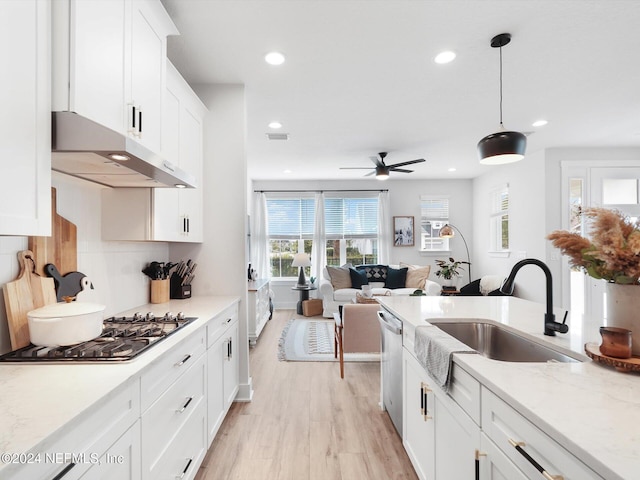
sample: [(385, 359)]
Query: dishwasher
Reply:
[(391, 367)]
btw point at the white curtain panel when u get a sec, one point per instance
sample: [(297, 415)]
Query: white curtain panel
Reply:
[(384, 229), (259, 243), (318, 248)]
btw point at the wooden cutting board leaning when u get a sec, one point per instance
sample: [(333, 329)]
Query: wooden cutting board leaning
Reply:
[(61, 248), (28, 292)]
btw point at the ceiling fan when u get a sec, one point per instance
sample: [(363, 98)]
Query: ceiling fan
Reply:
[(381, 170)]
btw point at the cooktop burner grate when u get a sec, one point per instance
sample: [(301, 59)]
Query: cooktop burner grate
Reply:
[(123, 338)]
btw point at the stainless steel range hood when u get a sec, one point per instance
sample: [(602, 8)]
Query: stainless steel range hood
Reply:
[(88, 150)]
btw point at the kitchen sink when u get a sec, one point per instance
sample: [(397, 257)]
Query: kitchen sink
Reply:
[(498, 343)]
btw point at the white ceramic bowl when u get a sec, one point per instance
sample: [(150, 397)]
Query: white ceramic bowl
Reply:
[(62, 324)]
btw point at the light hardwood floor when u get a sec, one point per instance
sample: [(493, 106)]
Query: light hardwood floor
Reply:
[(306, 423)]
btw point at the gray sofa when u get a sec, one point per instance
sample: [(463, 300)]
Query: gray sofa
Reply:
[(335, 294)]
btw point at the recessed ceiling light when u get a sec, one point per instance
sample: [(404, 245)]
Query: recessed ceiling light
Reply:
[(452, 169), (180, 185), (287, 171), (445, 57), (275, 125), (540, 123), (117, 156), (274, 58)]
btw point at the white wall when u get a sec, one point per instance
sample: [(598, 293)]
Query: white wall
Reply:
[(404, 199), (221, 257), (113, 267)]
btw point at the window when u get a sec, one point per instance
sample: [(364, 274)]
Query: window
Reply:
[(499, 219), (290, 225), (351, 228), (434, 214)]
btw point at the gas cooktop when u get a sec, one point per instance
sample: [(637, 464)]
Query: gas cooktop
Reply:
[(123, 338)]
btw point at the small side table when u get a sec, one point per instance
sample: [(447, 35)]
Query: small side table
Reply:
[(449, 293), (304, 295)]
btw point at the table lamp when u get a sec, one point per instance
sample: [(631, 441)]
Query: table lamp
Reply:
[(301, 260)]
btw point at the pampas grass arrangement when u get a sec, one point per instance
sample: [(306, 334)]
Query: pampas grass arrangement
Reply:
[(612, 253)]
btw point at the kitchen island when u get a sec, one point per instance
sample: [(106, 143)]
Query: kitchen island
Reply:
[(591, 410), (44, 406)]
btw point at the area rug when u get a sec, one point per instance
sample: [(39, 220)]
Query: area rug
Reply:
[(312, 341)]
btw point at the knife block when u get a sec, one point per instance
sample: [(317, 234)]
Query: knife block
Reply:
[(159, 291), (179, 291)]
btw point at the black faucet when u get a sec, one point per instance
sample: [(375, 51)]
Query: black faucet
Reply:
[(550, 324)]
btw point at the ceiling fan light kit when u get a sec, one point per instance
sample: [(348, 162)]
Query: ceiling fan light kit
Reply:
[(503, 146)]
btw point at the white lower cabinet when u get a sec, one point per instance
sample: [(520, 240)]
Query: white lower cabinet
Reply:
[(222, 367), (471, 433), (259, 311), (121, 461)]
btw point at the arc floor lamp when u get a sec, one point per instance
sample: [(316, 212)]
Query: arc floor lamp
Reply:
[(449, 231)]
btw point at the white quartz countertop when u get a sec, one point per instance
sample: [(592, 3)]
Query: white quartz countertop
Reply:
[(38, 400), (591, 410)]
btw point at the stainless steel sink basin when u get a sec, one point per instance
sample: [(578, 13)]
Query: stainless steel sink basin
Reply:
[(498, 343)]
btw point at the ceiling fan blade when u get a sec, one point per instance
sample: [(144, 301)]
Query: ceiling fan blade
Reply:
[(377, 161), (403, 170), (370, 173), (410, 162), (357, 168)]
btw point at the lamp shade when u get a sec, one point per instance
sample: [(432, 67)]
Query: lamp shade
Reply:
[(502, 147), (301, 260), (446, 232)]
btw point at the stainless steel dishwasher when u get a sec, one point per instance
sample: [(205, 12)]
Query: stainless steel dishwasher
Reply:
[(391, 367)]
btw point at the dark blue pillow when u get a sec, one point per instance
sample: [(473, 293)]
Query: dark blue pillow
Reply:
[(396, 277), (358, 279)]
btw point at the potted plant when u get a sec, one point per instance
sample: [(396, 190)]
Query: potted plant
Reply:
[(611, 253), (449, 270)]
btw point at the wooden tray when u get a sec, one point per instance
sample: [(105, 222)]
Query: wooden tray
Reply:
[(624, 365)]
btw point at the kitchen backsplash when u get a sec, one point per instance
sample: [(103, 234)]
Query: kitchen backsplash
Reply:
[(115, 268)]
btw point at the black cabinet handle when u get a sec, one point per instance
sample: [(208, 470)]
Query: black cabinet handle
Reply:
[(230, 348), (64, 471), (184, 407), (133, 117), (477, 460), (188, 226), (518, 446), (184, 224), (184, 472), (183, 361), (140, 121)]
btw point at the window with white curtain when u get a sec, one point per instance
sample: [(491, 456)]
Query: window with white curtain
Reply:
[(499, 219), (290, 226), (351, 228), (434, 214)]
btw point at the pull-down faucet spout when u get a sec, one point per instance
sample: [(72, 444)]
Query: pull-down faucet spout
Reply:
[(550, 324)]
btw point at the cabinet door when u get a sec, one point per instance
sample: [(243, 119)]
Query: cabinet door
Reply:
[(419, 418), (231, 366), (216, 357), (457, 438), (121, 461), (96, 62), (148, 48), (25, 120), (191, 161)]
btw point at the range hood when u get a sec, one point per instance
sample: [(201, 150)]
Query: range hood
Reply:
[(85, 149)]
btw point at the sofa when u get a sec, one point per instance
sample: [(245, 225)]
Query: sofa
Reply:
[(339, 285)]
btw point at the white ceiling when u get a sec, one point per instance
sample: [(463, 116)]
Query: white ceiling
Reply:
[(360, 77)]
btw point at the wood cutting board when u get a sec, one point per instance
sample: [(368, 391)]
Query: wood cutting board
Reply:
[(61, 248), (28, 292)]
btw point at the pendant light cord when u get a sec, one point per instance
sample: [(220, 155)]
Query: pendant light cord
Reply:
[(501, 88)]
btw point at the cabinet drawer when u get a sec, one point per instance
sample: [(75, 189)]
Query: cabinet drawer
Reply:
[(465, 390), (172, 410), (185, 453), (217, 326), (504, 426), (170, 366)]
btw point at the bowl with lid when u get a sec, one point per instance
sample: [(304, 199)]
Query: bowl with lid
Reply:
[(63, 324)]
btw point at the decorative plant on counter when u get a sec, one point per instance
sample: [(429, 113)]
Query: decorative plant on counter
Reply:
[(449, 269), (612, 253)]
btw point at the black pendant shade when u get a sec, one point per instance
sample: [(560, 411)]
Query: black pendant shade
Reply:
[(504, 146)]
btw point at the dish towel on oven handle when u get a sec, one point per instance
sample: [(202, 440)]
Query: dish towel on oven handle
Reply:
[(434, 350)]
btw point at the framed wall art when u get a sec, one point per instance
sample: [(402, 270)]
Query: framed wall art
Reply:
[(403, 232)]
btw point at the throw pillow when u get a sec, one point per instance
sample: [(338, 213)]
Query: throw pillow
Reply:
[(416, 275), (396, 277), (340, 277), (358, 279)]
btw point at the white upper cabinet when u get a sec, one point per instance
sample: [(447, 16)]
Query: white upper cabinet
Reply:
[(25, 120), (109, 64), (178, 213)]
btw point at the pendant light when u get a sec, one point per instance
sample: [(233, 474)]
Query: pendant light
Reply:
[(504, 146)]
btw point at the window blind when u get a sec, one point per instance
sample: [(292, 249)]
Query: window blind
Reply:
[(351, 217), (290, 218)]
